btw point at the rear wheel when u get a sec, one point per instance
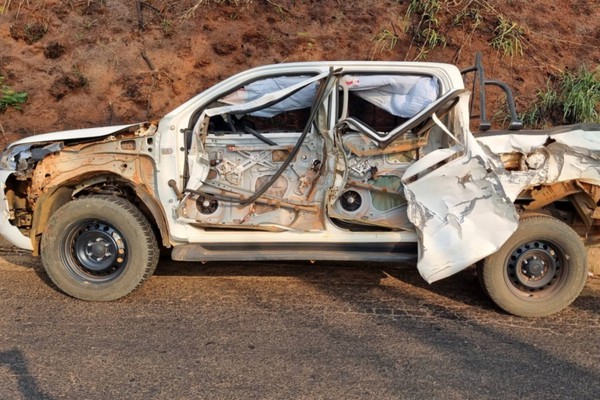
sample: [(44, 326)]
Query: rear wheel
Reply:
[(99, 248), (479, 270), (540, 270)]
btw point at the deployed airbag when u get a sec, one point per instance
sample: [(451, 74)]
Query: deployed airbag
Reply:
[(400, 95)]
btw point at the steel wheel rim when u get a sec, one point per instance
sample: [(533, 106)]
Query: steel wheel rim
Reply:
[(95, 251), (536, 269)]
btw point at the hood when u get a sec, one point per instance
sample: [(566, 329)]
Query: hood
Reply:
[(89, 133), (580, 137)]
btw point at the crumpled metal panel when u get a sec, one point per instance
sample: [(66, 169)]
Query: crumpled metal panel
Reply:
[(463, 211), (582, 137), (17, 158), (88, 133), (461, 215), (547, 158)]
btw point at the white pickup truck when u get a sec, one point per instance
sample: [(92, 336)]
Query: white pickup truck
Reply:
[(369, 161)]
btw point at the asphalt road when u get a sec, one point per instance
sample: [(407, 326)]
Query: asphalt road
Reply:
[(293, 330)]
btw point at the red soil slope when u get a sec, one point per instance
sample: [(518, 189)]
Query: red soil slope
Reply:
[(98, 62)]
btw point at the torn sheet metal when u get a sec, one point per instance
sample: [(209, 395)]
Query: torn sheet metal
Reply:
[(18, 158), (548, 157), (460, 213), (460, 210), (548, 194), (88, 133), (581, 137), (509, 143)]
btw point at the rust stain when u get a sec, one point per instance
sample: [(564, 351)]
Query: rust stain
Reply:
[(398, 146), (512, 161), (548, 194)]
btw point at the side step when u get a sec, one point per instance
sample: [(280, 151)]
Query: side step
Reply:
[(378, 252)]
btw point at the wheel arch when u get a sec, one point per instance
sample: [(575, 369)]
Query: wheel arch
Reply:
[(98, 183), (574, 202)]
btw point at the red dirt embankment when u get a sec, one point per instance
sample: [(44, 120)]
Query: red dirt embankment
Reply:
[(98, 62)]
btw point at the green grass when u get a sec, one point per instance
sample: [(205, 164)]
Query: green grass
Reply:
[(569, 98), (466, 15), (385, 40), (428, 9), (581, 96), (425, 31), (508, 37), (429, 39), (544, 108), (10, 98)]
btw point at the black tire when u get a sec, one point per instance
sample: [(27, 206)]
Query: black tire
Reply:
[(540, 269), (479, 271), (99, 248)]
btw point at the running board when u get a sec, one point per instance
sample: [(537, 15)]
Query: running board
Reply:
[(378, 252)]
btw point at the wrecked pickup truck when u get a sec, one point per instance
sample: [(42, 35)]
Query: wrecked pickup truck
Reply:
[(370, 161)]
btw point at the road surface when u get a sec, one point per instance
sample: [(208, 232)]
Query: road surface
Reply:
[(289, 330)]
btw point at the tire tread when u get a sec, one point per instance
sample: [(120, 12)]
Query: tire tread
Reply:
[(147, 237), (492, 270)]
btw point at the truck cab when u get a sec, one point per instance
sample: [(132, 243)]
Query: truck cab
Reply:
[(370, 161)]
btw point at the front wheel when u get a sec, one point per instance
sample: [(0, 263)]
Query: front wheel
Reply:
[(539, 271), (99, 248)]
